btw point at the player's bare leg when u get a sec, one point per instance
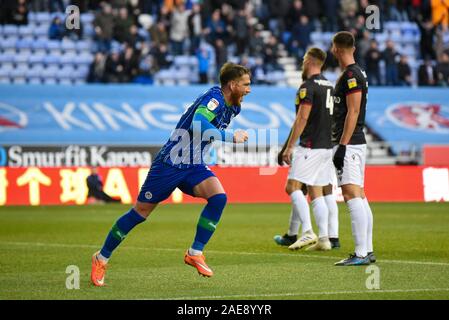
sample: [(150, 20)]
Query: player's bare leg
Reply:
[(212, 191)]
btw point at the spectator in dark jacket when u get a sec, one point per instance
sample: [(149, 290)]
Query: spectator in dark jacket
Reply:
[(122, 25), (256, 43), (195, 28), (427, 75), (442, 70), (391, 57), (241, 29), (20, 13), (158, 33), (96, 70), (57, 29), (330, 7), (130, 61), (404, 72), (114, 68), (104, 26), (216, 27), (95, 187), (372, 60), (300, 38), (278, 12), (296, 10), (426, 43), (221, 54)]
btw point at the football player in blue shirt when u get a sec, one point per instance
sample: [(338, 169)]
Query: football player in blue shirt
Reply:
[(179, 164)]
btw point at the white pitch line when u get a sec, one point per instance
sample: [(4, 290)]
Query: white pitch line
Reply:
[(291, 294), (293, 254)]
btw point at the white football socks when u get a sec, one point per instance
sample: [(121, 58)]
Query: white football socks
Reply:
[(194, 252), (369, 233), (293, 226), (102, 258), (331, 203), (300, 204), (321, 213), (359, 223)]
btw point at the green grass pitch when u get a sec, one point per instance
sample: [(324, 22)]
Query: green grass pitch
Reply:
[(38, 243)]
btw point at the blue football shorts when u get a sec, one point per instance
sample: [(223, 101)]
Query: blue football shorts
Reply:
[(163, 178)]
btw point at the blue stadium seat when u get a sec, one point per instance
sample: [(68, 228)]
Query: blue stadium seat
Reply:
[(51, 60), (166, 77), (68, 46), (408, 36), (315, 36), (33, 75), (87, 18), (193, 61), (84, 59), (8, 44), (24, 44), (39, 46), (181, 61), (88, 31), (25, 31), (82, 71), (67, 59), (18, 76), (36, 59), (31, 17), (395, 36), (83, 46), (327, 37), (4, 75), (4, 72), (7, 58), (43, 18), (49, 75), (446, 38), (392, 25), (65, 75), (41, 31), (21, 61), (10, 29), (381, 37), (182, 76), (53, 46)]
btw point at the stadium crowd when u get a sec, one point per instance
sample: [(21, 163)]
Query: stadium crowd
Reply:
[(137, 38)]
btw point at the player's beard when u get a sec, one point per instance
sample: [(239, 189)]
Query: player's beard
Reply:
[(236, 99), (304, 74)]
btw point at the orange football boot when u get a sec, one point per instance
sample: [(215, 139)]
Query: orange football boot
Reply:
[(98, 271), (198, 262)]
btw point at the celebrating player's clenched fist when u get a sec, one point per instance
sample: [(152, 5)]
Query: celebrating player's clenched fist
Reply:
[(240, 136)]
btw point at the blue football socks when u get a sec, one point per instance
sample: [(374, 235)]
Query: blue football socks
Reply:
[(208, 220), (119, 231)]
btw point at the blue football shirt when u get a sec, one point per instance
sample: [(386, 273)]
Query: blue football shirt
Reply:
[(183, 150)]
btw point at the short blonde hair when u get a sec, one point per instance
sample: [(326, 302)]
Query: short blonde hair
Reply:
[(317, 54)]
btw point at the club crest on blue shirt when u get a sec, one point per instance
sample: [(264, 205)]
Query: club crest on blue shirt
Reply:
[(212, 104), (148, 195)]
